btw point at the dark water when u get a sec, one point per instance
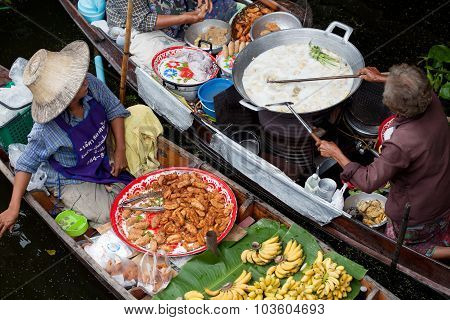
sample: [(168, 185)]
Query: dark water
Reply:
[(386, 32)]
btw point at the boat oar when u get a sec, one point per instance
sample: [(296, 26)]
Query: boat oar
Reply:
[(401, 235), (126, 52)]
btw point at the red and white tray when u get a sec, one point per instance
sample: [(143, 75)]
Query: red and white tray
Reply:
[(143, 183)]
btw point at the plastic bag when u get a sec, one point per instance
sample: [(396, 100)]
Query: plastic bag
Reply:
[(16, 70), (123, 270), (338, 198), (38, 179), (154, 272), (106, 246)]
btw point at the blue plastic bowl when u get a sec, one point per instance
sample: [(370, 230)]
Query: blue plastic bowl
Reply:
[(209, 90)]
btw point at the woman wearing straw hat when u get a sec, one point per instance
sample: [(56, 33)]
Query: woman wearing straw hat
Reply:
[(73, 113)]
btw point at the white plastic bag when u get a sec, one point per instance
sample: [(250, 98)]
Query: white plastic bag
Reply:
[(338, 198), (155, 272), (16, 70), (106, 246), (38, 179)]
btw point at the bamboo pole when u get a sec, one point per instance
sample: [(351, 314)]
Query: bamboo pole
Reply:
[(126, 52)]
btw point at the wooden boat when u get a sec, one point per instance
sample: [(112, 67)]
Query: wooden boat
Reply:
[(432, 273), (169, 155)]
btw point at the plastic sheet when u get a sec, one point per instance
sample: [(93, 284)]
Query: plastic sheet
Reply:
[(165, 104), (274, 180)]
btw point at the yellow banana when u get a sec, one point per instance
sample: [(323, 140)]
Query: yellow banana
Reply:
[(193, 295), (212, 293)]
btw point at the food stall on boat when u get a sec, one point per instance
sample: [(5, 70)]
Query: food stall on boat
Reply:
[(286, 154), (185, 218)]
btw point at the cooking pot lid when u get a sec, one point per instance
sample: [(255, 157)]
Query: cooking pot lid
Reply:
[(367, 104)]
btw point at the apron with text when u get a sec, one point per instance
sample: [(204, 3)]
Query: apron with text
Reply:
[(89, 145)]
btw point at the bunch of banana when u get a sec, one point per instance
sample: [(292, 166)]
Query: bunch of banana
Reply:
[(262, 254), (290, 262), (326, 279), (193, 295), (232, 291), (265, 288)]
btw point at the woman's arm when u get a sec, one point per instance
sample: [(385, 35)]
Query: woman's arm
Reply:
[(120, 159), (10, 215), (371, 177)]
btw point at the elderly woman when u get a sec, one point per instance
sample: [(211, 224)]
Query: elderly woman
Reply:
[(73, 113), (415, 159)]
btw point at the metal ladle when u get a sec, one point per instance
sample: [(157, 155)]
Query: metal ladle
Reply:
[(289, 105)]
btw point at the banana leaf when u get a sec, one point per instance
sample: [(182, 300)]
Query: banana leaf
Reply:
[(208, 271)]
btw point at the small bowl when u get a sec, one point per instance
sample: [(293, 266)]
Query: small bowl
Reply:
[(352, 202), (284, 20), (72, 223), (210, 89)]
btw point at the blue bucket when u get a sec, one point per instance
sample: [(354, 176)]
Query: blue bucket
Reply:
[(209, 90)]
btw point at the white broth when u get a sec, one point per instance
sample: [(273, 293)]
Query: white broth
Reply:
[(294, 62)]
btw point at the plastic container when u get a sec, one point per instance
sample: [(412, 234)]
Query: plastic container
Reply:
[(92, 10), (209, 90), (312, 183), (72, 223), (209, 112), (17, 129)]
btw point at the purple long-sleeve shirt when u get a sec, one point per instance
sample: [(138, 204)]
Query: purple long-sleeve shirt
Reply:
[(416, 160)]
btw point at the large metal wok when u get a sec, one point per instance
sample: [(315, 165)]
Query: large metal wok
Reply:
[(325, 39)]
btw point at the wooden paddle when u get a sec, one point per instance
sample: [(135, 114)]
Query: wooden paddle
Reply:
[(126, 52)]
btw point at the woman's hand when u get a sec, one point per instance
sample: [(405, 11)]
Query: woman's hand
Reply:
[(7, 220), (328, 149), (207, 3), (120, 162), (372, 74), (195, 16)]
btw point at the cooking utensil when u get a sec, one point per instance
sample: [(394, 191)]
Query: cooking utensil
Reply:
[(303, 122), (196, 29), (145, 209), (350, 76), (151, 194), (323, 38), (352, 202), (283, 20)]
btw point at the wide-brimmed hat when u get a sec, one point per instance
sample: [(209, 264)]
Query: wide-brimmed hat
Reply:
[(54, 78)]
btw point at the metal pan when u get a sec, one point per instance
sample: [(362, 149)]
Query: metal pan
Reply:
[(324, 38)]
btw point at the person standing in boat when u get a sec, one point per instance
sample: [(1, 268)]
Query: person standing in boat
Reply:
[(73, 113), (415, 159)]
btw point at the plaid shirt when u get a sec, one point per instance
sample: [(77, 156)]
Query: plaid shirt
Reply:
[(49, 139), (145, 13)]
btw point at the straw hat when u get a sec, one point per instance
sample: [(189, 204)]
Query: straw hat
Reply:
[(54, 78)]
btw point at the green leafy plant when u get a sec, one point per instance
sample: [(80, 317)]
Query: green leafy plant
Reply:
[(436, 65), (318, 54)]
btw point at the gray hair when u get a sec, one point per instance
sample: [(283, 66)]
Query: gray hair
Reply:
[(407, 91)]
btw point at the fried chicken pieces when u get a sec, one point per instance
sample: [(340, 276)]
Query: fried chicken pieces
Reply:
[(190, 212)]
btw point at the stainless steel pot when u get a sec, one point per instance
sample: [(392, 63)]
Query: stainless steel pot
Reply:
[(324, 38), (194, 31)]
